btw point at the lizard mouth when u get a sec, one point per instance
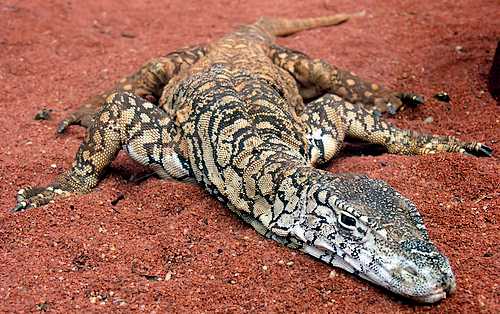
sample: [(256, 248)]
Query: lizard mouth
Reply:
[(383, 277), (437, 295)]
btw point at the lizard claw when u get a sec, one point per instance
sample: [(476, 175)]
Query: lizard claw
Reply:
[(64, 124), (82, 116), (481, 151), (411, 99), (20, 207), (22, 201), (38, 196)]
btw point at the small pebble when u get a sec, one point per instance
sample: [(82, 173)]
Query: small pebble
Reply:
[(333, 274), (428, 120), (442, 96), (127, 35)]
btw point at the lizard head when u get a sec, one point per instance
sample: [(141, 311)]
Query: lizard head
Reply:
[(367, 228)]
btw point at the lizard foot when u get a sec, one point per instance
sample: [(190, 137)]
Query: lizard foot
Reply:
[(37, 196), (480, 150), (82, 116), (466, 148), (394, 102), (411, 99)]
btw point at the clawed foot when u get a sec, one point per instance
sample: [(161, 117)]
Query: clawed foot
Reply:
[(410, 99), (480, 150), (82, 116), (466, 148), (395, 102), (34, 197), (74, 119)]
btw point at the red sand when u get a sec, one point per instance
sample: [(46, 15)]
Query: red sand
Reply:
[(169, 246)]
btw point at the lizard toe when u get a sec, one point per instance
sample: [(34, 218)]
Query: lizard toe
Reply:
[(72, 119), (64, 124), (35, 197), (411, 99), (480, 150), (82, 117)]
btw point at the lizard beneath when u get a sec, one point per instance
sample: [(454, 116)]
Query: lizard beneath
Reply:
[(249, 120)]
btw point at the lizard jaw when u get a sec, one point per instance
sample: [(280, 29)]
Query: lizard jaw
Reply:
[(433, 295), (422, 285), (425, 285)]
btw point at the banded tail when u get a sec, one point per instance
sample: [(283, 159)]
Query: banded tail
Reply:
[(283, 27)]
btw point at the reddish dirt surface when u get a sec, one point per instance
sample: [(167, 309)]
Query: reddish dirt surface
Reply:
[(83, 253)]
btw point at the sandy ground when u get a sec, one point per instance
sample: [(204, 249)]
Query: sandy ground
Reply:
[(169, 246)]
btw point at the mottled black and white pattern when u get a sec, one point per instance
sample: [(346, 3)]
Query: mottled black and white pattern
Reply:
[(249, 121)]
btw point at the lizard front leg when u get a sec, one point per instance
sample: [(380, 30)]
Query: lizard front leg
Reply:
[(147, 82), (316, 77), (359, 123), (126, 120), (325, 129)]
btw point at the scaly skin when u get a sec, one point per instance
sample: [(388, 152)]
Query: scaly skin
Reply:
[(248, 120)]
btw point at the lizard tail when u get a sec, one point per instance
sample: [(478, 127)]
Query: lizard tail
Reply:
[(283, 27)]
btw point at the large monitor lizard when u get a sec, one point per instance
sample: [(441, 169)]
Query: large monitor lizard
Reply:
[(249, 120)]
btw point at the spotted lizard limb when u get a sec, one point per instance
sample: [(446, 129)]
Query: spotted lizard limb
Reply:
[(146, 133), (330, 118), (316, 77), (147, 82), (363, 125)]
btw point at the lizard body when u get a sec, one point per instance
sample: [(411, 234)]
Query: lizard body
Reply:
[(249, 121)]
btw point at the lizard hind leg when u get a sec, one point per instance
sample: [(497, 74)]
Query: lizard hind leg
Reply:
[(124, 120), (317, 77)]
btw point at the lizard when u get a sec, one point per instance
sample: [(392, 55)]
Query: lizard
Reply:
[(250, 121)]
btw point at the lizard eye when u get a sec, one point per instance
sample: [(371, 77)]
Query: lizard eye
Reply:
[(347, 221)]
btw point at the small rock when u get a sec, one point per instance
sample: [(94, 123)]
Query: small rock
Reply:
[(265, 268), (53, 166), (127, 35), (442, 96), (428, 120), (290, 263), (332, 274)]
